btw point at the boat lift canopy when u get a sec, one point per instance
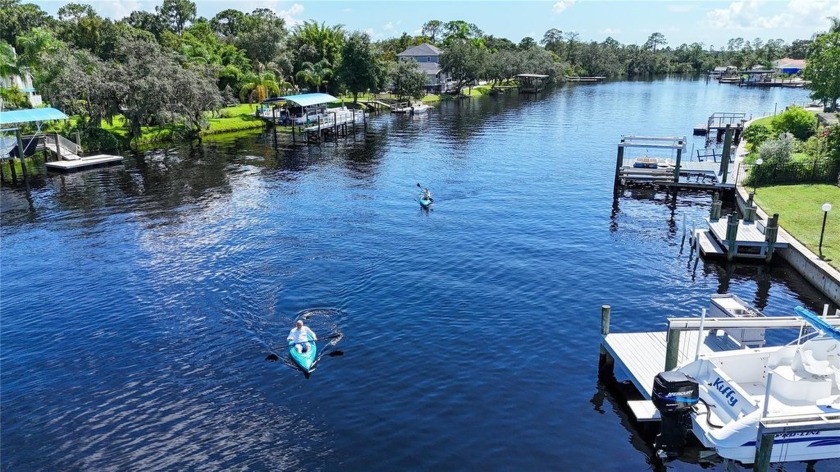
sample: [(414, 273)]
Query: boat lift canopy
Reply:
[(33, 115), (304, 99)]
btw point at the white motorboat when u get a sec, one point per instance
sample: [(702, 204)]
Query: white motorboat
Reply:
[(733, 398), (411, 109)]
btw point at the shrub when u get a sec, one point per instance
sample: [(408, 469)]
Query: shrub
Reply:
[(756, 135), (800, 123), (777, 150)]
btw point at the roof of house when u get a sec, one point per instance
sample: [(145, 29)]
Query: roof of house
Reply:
[(424, 49), (31, 115), (788, 63)]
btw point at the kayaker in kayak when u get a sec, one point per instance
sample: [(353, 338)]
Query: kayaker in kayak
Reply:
[(300, 335), (425, 194)]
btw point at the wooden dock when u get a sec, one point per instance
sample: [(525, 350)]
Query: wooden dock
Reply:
[(82, 163)]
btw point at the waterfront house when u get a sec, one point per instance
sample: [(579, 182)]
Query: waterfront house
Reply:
[(22, 82), (789, 66), (427, 57)]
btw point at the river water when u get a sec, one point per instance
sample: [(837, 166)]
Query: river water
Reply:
[(139, 303)]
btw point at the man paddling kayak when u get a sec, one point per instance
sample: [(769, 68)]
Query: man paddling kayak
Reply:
[(301, 335)]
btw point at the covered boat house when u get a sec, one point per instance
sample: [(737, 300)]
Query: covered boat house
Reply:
[(290, 110), (530, 83)]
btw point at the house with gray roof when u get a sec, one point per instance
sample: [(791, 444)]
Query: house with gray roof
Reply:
[(427, 57)]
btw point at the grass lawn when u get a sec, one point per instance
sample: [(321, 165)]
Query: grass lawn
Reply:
[(801, 215), (766, 121)]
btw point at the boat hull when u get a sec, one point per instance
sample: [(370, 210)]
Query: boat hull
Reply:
[(305, 360)]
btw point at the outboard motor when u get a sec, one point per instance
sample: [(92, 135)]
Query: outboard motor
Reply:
[(674, 394)]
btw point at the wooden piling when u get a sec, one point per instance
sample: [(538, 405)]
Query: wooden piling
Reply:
[(731, 236), (57, 147), (714, 211), (771, 233), (605, 360), (763, 451), (22, 155), (619, 161), (677, 165), (672, 349), (727, 151)]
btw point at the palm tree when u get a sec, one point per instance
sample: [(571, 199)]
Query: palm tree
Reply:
[(315, 74), (257, 87), (318, 42)]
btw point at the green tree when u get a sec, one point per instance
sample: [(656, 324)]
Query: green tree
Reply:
[(175, 14), (17, 19), (145, 21), (313, 43), (408, 80), (315, 74), (796, 121), (464, 62), (823, 69), (80, 26), (34, 45), (655, 40), (431, 29), (228, 23), (256, 87), (8, 60), (261, 36), (359, 70), (756, 135)]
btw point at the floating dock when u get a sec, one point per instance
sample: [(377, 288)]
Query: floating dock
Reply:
[(82, 163)]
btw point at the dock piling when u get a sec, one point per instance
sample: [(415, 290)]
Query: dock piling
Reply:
[(619, 161), (731, 236), (714, 211), (21, 156), (763, 451), (771, 233), (727, 151), (677, 165), (672, 349), (605, 360)]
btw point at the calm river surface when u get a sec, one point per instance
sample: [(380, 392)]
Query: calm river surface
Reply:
[(139, 303)]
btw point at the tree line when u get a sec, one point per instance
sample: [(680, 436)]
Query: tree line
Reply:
[(172, 66)]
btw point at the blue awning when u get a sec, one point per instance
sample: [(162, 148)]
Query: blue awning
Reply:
[(305, 99), (31, 115)]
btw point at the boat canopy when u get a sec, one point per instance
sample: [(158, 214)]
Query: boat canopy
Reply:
[(32, 115), (305, 99)]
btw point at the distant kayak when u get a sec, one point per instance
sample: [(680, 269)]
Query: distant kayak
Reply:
[(304, 359), (424, 201)]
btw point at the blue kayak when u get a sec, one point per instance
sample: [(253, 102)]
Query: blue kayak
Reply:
[(304, 359), (424, 201)]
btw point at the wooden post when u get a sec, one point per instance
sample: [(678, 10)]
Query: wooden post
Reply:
[(677, 166), (619, 161), (714, 211), (727, 150), (771, 233), (78, 139), (605, 360), (763, 450), (22, 155), (749, 214), (57, 147), (731, 235), (750, 199), (672, 349)]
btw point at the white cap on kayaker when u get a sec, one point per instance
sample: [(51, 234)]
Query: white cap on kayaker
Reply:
[(299, 323)]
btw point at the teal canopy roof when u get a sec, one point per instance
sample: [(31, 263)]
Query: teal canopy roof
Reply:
[(305, 99), (31, 115)]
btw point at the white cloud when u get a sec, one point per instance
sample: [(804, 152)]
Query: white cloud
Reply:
[(389, 26), (752, 15), (562, 5), (347, 10), (610, 31), (118, 9), (289, 15)]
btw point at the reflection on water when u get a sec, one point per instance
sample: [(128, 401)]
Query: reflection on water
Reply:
[(139, 303)]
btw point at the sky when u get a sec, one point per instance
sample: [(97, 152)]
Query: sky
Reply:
[(711, 22)]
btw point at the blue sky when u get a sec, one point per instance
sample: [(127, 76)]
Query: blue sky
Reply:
[(681, 21)]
